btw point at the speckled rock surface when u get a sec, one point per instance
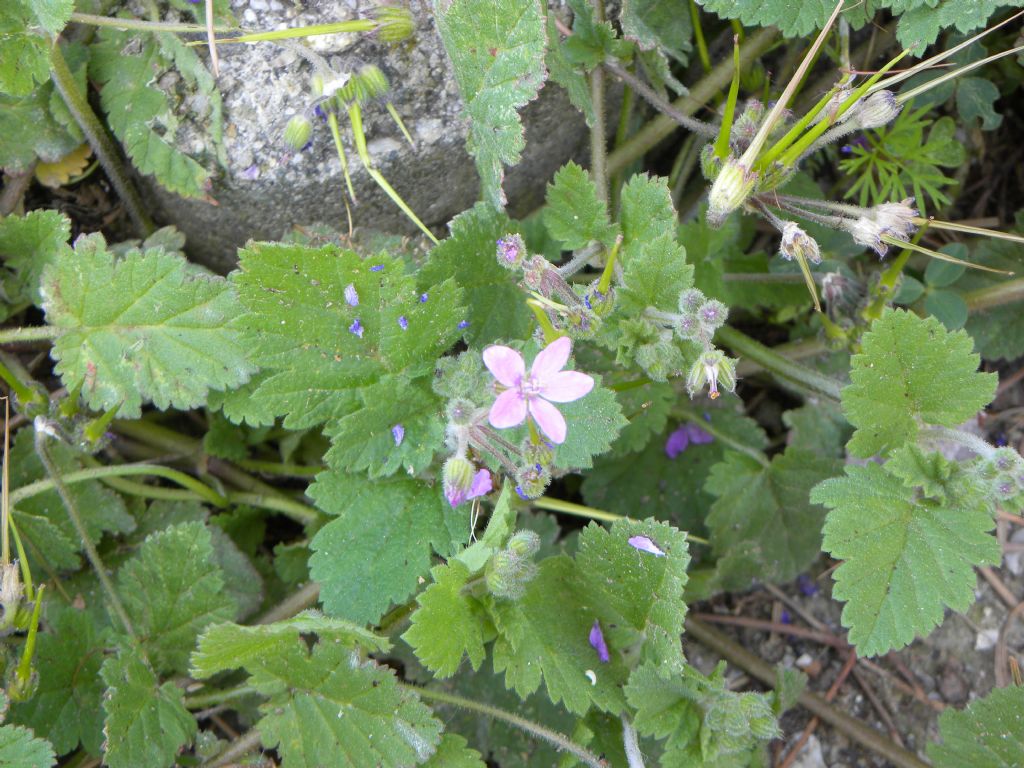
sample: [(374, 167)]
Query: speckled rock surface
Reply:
[(266, 188)]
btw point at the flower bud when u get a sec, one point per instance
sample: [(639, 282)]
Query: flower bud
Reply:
[(867, 232), (734, 184), (878, 109), (541, 453), (531, 481), (710, 163), (511, 251), (534, 271), (797, 244), (524, 543), (714, 369), (601, 304), (712, 315), (10, 594), (297, 132), (659, 360), (394, 23), (691, 300), (461, 412), (462, 480), (896, 219), (745, 127)]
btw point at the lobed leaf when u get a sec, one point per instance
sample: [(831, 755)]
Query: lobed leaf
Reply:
[(573, 213), (19, 748), (989, 733)]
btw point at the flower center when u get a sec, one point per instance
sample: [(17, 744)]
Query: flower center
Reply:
[(528, 387)]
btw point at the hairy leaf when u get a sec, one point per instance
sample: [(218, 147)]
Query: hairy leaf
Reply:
[(146, 723), (574, 214), (171, 589), (660, 24), (147, 327), (19, 748), (906, 558), (27, 244), (453, 752), (989, 733), (594, 423), (497, 52), (25, 30), (911, 370)]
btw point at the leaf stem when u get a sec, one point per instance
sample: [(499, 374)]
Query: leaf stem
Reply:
[(725, 439), (100, 141), (662, 105), (76, 520), (579, 510), (997, 295), (783, 369), (560, 741), (966, 439), (143, 26), (630, 743), (598, 146), (219, 696), (30, 333), (281, 468)]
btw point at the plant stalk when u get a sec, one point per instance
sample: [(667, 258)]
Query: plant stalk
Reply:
[(598, 140)]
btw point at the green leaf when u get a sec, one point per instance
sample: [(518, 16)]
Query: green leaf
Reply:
[(975, 97), (66, 706), (794, 19), (989, 733), (454, 753), (923, 20), (139, 113), (640, 595), (906, 558), (663, 24), (379, 546), (998, 332), (592, 42), (495, 304), (594, 422), (497, 53), (646, 410), (762, 524), (948, 307), (928, 470), (25, 53), (52, 15), (223, 647), (303, 331), (563, 72), (817, 427), (19, 748), (911, 370), (42, 519), (654, 264), (942, 274), (29, 131), (147, 327), (574, 214), (171, 590), (447, 623), (146, 723), (27, 244), (328, 709)]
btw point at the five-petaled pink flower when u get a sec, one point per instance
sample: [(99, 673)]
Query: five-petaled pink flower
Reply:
[(535, 390)]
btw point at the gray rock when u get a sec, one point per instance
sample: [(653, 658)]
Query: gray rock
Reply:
[(266, 189)]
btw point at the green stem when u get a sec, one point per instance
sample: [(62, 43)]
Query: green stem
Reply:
[(997, 295), (791, 350), (143, 26), (966, 439), (724, 438), (579, 510), (32, 333), (76, 520), (296, 510), (561, 742), (220, 696), (121, 470), (698, 36), (785, 370), (280, 468), (662, 126), (99, 140), (662, 105), (598, 147)]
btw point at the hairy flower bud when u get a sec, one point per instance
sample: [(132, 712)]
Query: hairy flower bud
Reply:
[(601, 304), (532, 480), (298, 131), (896, 219), (730, 190), (691, 300), (878, 109), (524, 543), (541, 453), (745, 127), (394, 23), (461, 412), (712, 315), (511, 251), (797, 244), (462, 480)]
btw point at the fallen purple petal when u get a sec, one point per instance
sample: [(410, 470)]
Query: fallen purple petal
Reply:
[(403, 323), (785, 618), (351, 296), (645, 544), (677, 442), (377, 268), (597, 642), (356, 328), (398, 432), (423, 298), (463, 324), (699, 436), (806, 585)]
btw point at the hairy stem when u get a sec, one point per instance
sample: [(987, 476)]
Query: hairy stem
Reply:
[(783, 369), (631, 744), (143, 26), (578, 510), (598, 148), (30, 333), (971, 442), (99, 140), (560, 741), (83, 534), (996, 295), (662, 105)]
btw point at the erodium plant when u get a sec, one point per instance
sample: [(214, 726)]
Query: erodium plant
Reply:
[(329, 505)]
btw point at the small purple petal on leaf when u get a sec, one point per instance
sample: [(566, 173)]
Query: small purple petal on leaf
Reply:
[(806, 585), (403, 323), (645, 544), (356, 328), (677, 442), (423, 298), (351, 296), (463, 324), (398, 432), (377, 268), (597, 642)]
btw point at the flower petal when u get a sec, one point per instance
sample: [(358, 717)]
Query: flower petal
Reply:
[(677, 442), (551, 359), (597, 642), (509, 409), (697, 435), (566, 386), (645, 544), (505, 364), (548, 418), (481, 484)]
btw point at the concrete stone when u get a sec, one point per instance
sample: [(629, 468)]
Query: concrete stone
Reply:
[(266, 188)]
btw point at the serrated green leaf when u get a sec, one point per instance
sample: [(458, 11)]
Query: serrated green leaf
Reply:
[(497, 53), (574, 214), (42, 519), (29, 130), (948, 307), (594, 422), (998, 332), (27, 244), (640, 594), (563, 72), (989, 733), (325, 703), (448, 624), (148, 327), (928, 470), (19, 748), (591, 42), (646, 410), (146, 723), (126, 65), (171, 589), (762, 524), (906, 559), (923, 20), (654, 264), (817, 427), (496, 307), (66, 706), (24, 52), (794, 19), (379, 546), (911, 370), (975, 97), (453, 752), (52, 15), (663, 24), (317, 347), (223, 647)]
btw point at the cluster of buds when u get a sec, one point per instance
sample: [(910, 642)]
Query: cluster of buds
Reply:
[(1003, 474), (512, 568), (892, 221)]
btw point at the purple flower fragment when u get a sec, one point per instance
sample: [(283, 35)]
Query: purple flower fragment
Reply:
[(403, 323), (785, 618), (398, 432), (645, 544), (463, 324), (597, 642), (377, 268), (356, 329), (806, 585), (683, 437), (424, 297), (351, 296)]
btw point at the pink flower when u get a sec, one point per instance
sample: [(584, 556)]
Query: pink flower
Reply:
[(533, 391)]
